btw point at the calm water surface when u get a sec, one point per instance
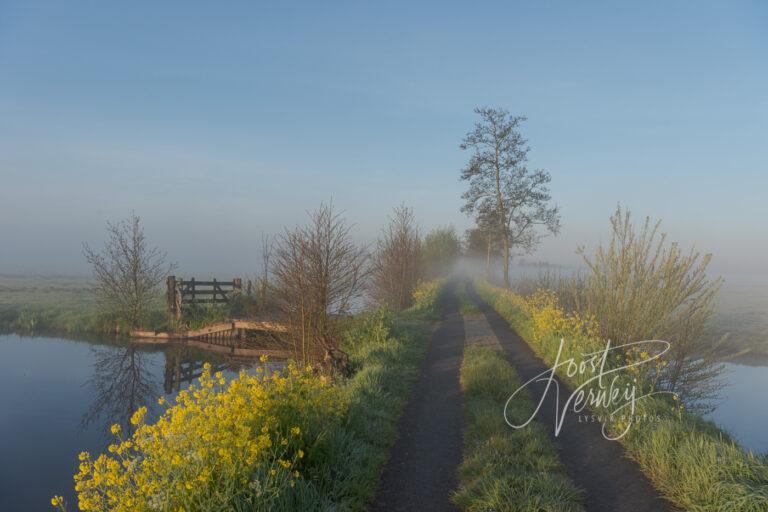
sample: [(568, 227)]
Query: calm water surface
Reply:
[(59, 397), (742, 409)]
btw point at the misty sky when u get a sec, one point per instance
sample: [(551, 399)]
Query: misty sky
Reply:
[(218, 123)]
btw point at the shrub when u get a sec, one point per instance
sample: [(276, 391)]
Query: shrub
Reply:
[(426, 297), (642, 287)]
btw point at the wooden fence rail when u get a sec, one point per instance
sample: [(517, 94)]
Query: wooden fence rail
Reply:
[(180, 292)]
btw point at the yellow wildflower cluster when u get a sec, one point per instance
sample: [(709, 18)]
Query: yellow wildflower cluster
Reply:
[(426, 293), (549, 318), (221, 441), (644, 369)]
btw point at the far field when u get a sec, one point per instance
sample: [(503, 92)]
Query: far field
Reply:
[(64, 303)]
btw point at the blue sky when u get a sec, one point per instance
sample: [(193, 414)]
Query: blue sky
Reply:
[(219, 122)]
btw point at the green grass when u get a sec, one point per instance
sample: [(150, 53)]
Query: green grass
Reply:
[(506, 470), (466, 306), (693, 463), (342, 468), (39, 304), (30, 305), (385, 353)]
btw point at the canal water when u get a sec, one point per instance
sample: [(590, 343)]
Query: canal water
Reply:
[(741, 408), (59, 397)]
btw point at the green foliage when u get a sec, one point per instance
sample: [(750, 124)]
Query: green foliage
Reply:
[(439, 252), (385, 351), (506, 470), (427, 299), (642, 287), (196, 316), (696, 465)]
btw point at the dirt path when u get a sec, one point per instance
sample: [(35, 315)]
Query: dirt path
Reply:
[(421, 472), (612, 482)]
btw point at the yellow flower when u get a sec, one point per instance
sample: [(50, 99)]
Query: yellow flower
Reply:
[(115, 429), (208, 430), (138, 416), (57, 501), (263, 358)]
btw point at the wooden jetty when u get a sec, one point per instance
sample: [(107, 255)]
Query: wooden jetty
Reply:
[(232, 337), (239, 337), (213, 332)]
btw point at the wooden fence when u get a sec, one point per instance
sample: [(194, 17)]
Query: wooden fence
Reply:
[(181, 292)]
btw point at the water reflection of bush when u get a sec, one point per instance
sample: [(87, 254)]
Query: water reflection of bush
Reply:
[(127, 377)]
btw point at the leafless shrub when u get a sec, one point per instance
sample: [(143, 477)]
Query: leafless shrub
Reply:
[(640, 287), (264, 281), (127, 271), (318, 273), (396, 262)]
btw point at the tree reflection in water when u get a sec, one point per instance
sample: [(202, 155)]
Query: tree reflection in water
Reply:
[(127, 377), (124, 379)]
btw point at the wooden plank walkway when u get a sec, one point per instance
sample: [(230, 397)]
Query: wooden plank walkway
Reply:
[(221, 327)]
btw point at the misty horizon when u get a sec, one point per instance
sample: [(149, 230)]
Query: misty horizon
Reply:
[(216, 139)]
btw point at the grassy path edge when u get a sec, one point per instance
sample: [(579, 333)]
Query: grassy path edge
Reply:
[(692, 463), (504, 469)]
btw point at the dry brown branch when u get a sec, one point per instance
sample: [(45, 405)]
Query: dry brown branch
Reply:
[(396, 262), (127, 271), (319, 273)]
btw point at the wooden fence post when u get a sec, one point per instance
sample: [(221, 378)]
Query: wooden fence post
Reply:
[(172, 302)]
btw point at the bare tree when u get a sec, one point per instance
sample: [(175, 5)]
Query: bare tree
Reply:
[(396, 262), (502, 188), (127, 271), (319, 272), (122, 381), (267, 247), (481, 245), (485, 240)]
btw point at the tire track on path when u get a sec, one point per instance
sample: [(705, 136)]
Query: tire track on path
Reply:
[(421, 472)]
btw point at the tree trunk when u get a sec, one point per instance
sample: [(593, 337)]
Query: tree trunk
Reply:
[(507, 283), (488, 259)]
